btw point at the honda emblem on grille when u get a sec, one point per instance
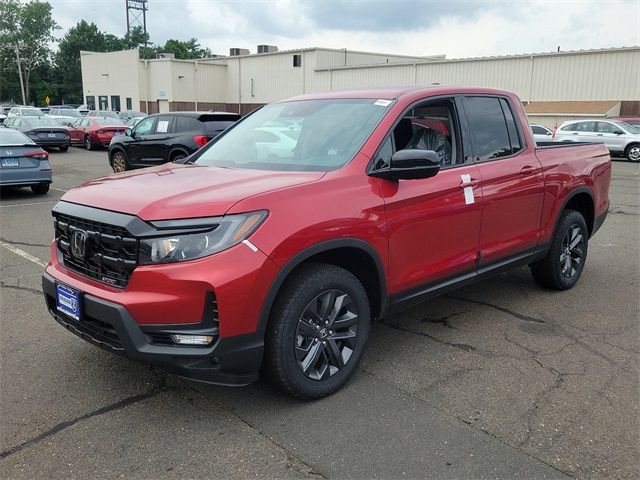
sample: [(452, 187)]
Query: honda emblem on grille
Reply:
[(78, 240)]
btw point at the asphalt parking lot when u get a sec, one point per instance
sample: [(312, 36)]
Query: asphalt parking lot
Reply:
[(498, 380)]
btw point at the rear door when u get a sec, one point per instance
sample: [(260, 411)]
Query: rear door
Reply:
[(510, 180), (586, 132), (160, 141)]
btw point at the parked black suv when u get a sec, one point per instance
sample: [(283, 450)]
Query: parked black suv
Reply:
[(166, 137)]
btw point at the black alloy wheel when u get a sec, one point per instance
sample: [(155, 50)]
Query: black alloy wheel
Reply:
[(317, 331), (572, 251), (326, 334)]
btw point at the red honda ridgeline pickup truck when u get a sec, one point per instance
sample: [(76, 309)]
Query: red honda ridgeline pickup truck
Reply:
[(276, 245)]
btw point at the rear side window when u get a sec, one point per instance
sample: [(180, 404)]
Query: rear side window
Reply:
[(489, 125), (514, 137), (187, 124), (216, 127), (585, 127)]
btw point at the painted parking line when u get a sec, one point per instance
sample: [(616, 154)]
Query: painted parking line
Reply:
[(23, 254), (58, 189), (25, 204)]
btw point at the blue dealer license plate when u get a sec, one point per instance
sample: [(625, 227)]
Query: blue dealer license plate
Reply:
[(10, 162), (68, 301)]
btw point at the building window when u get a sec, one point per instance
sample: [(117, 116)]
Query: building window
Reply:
[(91, 102), (115, 103), (103, 102), (129, 104), (297, 60)]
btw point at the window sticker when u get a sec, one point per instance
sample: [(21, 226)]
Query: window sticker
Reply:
[(382, 103), (163, 126), (468, 191)]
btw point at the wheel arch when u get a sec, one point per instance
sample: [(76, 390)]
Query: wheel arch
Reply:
[(352, 254), (177, 150), (113, 150), (580, 200)]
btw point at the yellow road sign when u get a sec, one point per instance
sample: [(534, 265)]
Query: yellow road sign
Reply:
[(47, 100)]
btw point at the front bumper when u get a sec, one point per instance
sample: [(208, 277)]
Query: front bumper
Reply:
[(228, 361)]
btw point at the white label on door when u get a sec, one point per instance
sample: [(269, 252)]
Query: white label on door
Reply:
[(468, 195)]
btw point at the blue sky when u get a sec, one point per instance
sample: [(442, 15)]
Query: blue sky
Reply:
[(418, 27)]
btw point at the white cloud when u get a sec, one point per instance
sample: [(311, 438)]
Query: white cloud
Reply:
[(458, 29)]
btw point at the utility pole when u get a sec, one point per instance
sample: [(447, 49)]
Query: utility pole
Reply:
[(24, 98)]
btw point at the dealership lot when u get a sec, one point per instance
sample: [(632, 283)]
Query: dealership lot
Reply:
[(500, 379)]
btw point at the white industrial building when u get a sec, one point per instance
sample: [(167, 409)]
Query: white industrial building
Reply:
[(553, 86)]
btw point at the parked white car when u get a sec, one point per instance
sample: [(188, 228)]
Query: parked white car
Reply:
[(542, 133), (620, 138), (64, 116), (21, 111)]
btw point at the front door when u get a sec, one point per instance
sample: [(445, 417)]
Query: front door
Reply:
[(510, 179), (606, 133), (433, 223)]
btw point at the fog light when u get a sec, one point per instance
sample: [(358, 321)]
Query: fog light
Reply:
[(192, 339)]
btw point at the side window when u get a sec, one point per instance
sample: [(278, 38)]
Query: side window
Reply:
[(514, 137), (164, 123), (145, 126), (586, 127), (430, 126), (187, 124), (570, 128), (489, 126), (606, 127), (383, 159)]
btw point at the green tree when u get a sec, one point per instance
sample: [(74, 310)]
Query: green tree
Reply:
[(26, 30), (184, 50)]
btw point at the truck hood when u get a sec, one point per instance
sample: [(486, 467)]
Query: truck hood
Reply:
[(181, 191)]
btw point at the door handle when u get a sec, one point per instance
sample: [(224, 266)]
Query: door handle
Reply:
[(471, 183), (528, 170), (599, 135)]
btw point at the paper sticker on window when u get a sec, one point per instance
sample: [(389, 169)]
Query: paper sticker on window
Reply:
[(163, 126), (382, 103)]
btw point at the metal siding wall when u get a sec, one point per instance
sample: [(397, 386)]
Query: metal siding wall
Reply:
[(112, 73), (593, 76), (274, 78)]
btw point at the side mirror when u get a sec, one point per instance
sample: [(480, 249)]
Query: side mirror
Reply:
[(128, 132), (618, 132), (411, 165)]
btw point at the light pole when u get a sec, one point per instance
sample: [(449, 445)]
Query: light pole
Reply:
[(24, 98)]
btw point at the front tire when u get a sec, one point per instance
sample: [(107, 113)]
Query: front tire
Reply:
[(317, 331), (119, 162), (633, 153), (563, 265), (64, 148)]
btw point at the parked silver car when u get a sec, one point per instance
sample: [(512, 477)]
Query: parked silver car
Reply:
[(21, 111), (64, 116), (542, 133), (620, 138), (22, 162)]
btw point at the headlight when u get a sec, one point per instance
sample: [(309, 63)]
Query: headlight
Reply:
[(225, 232)]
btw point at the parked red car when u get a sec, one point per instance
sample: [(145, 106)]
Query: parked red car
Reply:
[(248, 256), (95, 131)]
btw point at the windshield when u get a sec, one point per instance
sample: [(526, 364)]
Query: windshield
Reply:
[(303, 135), (629, 127), (108, 122), (31, 112), (67, 112), (42, 122)]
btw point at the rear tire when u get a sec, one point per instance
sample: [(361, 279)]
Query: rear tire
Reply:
[(87, 143), (40, 188), (119, 162), (64, 149), (563, 265), (317, 331), (633, 152)]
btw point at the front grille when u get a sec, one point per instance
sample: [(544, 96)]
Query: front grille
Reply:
[(110, 252)]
